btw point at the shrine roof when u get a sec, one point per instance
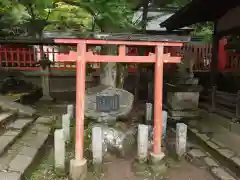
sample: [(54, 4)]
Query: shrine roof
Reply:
[(198, 11), (50, 38)]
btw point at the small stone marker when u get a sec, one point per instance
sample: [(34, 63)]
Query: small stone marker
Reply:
[(142, 142), (181, 139), (66, 126), (148, 116), (97, 146), (59, 151), (70, 110)]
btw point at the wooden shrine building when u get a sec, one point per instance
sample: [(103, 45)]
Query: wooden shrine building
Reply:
[(224, 15)]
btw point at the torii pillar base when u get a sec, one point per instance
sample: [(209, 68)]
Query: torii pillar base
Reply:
[(158, 166), (78, 169)]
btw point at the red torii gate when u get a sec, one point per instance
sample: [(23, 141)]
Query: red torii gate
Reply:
[(83, 56)]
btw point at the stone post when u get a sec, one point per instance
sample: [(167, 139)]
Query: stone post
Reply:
[(45, 83), (148, 113), (142, 142), (59, 151), (97, 149), (181, 139), (66, 126), (70, 110)]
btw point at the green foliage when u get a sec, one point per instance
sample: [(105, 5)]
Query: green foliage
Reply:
[(205, 30)]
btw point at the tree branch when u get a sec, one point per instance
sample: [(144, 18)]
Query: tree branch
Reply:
[(30, 8), (80, 4)]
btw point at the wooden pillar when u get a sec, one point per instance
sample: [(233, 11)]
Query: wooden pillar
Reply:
[(158, 86), (80, 93), (214, 60)]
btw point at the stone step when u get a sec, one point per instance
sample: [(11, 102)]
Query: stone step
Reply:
[(13, 131), (6, 117), (16, 160), (7, 104), (226, 157)]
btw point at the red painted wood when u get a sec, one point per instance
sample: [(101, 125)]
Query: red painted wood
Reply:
[(80, 94), (113, 42), (158, 86)]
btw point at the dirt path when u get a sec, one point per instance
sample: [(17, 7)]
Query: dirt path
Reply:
[(122, 170)]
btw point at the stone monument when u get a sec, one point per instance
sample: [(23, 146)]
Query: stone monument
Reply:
[(106, 104)]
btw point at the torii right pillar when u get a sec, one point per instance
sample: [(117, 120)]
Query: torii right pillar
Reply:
[(157, 154)]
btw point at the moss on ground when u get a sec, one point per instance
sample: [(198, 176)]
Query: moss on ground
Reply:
[(45, 170)]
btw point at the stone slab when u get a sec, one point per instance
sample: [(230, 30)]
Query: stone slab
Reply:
[(10, 176), (226, 153), (20, 123), (212, 145), (196, 153), (6, 141), (5, 103), (193, 130), (41, 128), (203, 137), (20, 163), (221, 174), (210, 162), (12, 133), (218, 143), (39, 140), (28, 151), (4, 116), (45, 120), (4, 161), (236, 160)]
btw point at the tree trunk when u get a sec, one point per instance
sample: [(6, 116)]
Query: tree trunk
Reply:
[(108, 74), (121, 74)]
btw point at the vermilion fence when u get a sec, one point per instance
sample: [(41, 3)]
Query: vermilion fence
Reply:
[(26, 58)]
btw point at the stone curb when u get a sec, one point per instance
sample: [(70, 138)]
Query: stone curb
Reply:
[(225, 156)]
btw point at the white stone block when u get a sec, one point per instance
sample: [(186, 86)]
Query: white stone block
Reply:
[(66, 126), (148, 112), (181, 139), (59, 149), (142, 141), (97, 146), (70, 110)]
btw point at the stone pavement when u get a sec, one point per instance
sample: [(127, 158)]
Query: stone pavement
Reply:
[(21, 140), (222, 144)]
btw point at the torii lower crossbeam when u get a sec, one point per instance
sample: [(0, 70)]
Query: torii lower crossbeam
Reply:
[(159, 58)]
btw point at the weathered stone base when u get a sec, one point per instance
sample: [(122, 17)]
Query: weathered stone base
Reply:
[(78, 169), (158, 166)]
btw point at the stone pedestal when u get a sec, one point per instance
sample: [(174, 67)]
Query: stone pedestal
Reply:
[(78, 169), (183, 98)]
